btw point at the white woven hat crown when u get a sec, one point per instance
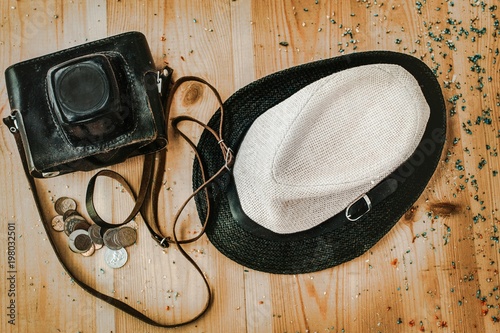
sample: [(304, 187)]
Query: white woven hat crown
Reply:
[(306, 159)]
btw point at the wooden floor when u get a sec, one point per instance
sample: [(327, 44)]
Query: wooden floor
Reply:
[(435, 271)]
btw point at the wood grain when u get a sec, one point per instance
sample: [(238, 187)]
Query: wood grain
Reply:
[(436, 270)]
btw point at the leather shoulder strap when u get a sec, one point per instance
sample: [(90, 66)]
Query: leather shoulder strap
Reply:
[(108, 299), (148, 194)]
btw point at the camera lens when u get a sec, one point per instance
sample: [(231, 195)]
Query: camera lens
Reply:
[(84, 95), (83, 88)]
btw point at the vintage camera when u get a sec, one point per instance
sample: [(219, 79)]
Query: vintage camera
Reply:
[(89, 106)]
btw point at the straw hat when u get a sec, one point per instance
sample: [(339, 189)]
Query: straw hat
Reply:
[(328, 156)]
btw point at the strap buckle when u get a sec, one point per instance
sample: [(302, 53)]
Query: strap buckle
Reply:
[(164, 79), (358, 208), (11, 121), (162, 241), (159, 81)]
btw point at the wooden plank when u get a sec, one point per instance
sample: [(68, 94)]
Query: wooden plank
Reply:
[(437, 269)]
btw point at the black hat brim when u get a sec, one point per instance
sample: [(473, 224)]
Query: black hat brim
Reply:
[(314, 251)]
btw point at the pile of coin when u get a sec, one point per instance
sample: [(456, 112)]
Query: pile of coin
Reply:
[(86, 238)]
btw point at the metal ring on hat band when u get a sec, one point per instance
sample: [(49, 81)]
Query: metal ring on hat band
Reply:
[(356, 215)]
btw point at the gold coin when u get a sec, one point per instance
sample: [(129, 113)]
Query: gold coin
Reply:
[(90, 252), (68, 213), (126, 236), (84, 225), (64, 204), (109, 239), (58, 223), (83, 242), (95, 234)]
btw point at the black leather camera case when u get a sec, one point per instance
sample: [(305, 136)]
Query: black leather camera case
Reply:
[(87, 107)]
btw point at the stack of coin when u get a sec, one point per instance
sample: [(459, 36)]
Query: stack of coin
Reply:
[(74, 225), (115, 240), (69, 221), (118, 238), (86, 238)]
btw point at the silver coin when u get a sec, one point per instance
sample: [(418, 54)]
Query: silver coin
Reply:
[(64, 204), (58, 223), (77, 243), (71, 222), (109, 239), (115, 258), (126, 236), (95, 234)]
